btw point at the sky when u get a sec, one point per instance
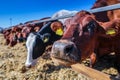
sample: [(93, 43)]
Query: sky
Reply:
[(13, 12)]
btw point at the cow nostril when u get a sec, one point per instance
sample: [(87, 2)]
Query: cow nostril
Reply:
[(68, 49)]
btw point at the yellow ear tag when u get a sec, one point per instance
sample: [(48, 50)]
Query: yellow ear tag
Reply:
[(45, 40), (59, 32), (110, 32)]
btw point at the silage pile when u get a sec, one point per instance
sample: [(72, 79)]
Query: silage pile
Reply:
[(12, 60)]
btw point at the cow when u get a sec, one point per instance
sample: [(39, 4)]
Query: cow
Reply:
[(86, 37), (37, 42), (106, 15), (6, 32), (10, 36)]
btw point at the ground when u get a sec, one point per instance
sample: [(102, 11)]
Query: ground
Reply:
[(12, 60)]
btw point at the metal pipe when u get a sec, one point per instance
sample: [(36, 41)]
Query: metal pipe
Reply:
[(101, 9), (106, 8)]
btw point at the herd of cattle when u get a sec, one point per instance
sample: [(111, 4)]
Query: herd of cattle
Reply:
[(20, 32), (74, 39)]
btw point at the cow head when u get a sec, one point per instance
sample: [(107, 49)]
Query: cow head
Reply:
[(78, 41), (25, 32), (12, 38), (37, 42), (35, 47)]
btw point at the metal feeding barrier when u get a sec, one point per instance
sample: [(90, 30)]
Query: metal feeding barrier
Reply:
[(101, 9)]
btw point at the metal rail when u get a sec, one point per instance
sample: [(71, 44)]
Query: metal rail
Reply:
[(106, 8), (101, 9)]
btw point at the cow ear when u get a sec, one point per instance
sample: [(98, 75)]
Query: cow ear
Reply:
[(46, 37)]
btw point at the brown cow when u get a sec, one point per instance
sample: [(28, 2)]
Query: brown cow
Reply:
[(26, 30), (11, 35), (6, 32), (13, 39), (106, 15), (85, 37)]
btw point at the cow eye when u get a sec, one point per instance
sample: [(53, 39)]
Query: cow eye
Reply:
[(45, 39), (85, 29)]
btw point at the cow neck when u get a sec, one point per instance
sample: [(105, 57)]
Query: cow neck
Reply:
[(43, 29)]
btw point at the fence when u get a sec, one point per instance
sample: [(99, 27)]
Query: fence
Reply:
[(101, 9)]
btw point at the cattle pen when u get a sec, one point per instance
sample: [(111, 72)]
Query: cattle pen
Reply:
[(79, 68)]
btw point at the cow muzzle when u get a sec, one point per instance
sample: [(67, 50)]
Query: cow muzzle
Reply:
[(65, 52), (29, 64)]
